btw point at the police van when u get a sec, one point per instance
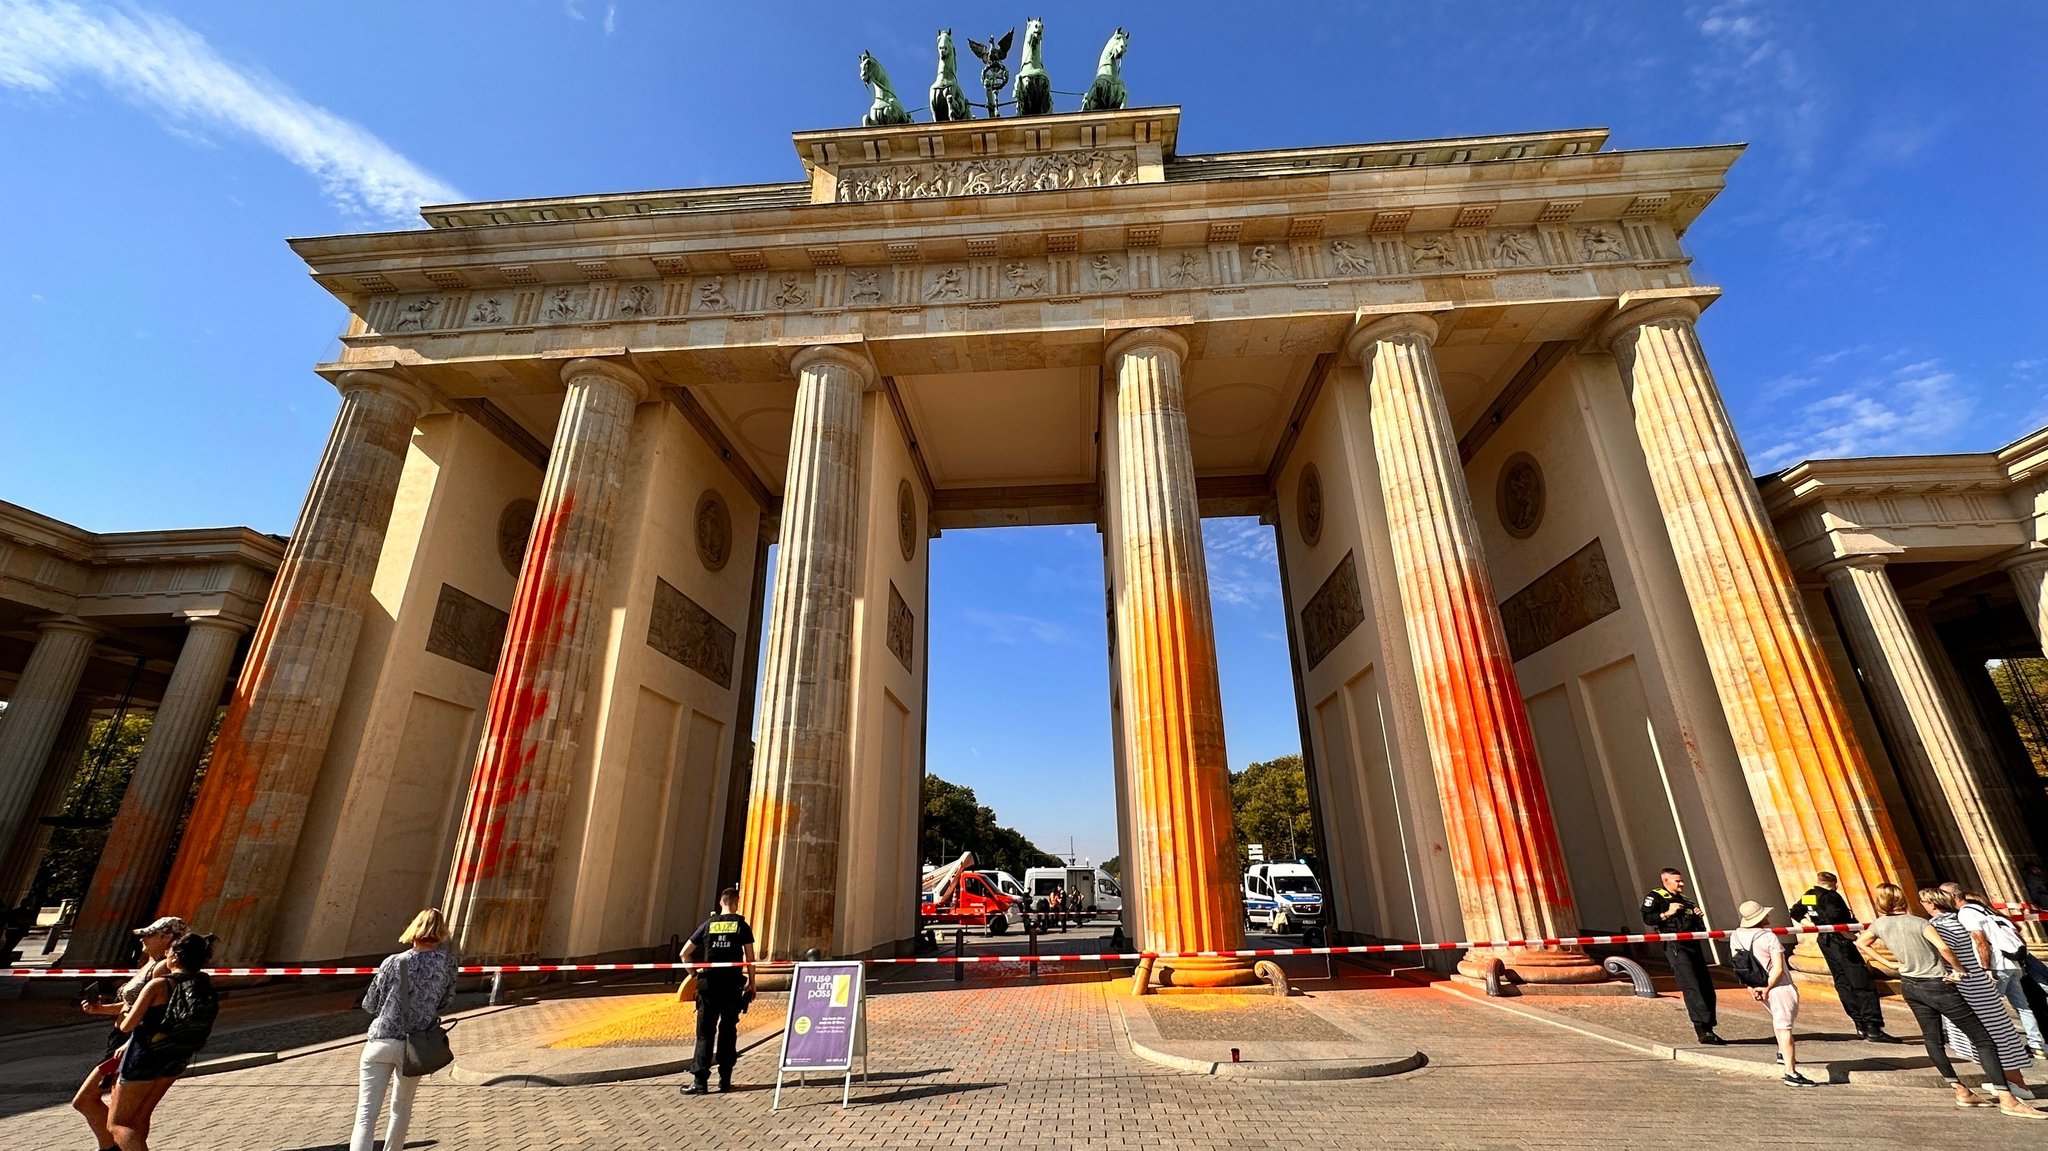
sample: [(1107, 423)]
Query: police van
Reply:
[(1282, 898)]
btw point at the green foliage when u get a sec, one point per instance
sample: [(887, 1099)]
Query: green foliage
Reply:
[(2023, 685), (95, 794), (954, 821), (1114, 865), (1269, 805)]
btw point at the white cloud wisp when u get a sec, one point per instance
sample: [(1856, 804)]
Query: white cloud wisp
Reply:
[(160, 64), (1888, 408)]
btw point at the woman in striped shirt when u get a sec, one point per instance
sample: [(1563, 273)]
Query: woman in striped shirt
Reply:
[(1963, 951)]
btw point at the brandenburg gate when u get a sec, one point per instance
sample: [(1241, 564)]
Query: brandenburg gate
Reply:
[(1544, 639)]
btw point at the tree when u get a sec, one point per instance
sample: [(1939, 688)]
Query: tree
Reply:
[(2023, 685), (954, 821), (1114, 865), (1269, 805)]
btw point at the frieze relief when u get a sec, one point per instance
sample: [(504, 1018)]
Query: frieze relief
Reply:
[(1334, 612), (467, 630), (1578, 591), (902, 629), (1057, 276), (681, 629), (982, 176)]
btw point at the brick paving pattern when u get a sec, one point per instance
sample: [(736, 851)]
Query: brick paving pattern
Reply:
[(1003, 1063)]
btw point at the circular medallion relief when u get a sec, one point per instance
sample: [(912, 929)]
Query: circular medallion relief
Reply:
[(515, 524), (1308, 505), (1520, 497), (714, 531), (906, 520)]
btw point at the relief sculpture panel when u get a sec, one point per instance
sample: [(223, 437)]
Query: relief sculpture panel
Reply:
[(981, 176), (902, 628), (1334, 612), (1579, 590), (682, 630), (467, 630)]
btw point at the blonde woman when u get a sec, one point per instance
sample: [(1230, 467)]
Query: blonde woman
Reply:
[(426, 976), (91, 1098)]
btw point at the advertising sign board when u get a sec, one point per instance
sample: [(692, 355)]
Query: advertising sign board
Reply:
[(827, 1020)]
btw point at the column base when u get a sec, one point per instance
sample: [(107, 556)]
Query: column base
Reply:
[(1204, 974), (1539, 965)]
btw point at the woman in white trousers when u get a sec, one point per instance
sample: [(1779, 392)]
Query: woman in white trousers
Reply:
[(411, 989)]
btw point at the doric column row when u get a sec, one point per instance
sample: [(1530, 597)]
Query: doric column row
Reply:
[(35, 715), (1812, 787), (24, 853), (790, 871), (519, 793), (2029, 571), (1184, 854), (244, 829), (125, 878), (1512, 882)]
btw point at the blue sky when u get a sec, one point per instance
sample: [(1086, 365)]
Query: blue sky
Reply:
[(1877, 243)]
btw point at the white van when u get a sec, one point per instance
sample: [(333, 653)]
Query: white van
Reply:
[(1282, 897), (1008, 885), (1090, 889)]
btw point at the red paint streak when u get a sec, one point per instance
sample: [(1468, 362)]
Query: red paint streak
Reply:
[(540, 619)]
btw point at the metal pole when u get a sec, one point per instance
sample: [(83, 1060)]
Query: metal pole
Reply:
[(959, 952), (497, 988)]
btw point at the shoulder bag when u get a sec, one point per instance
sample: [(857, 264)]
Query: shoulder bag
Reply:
[(426, 1050)]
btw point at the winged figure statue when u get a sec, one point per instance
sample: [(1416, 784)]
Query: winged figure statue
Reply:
[(992, 55)]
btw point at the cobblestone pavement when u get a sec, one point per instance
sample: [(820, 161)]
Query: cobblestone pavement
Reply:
[(1012, 1065)]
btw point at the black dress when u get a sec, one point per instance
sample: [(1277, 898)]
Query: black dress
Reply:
[(145, 1060)]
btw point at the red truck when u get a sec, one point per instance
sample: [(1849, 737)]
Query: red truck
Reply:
[(956, 893)]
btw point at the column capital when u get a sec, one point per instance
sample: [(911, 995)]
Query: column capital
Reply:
[(610, 370), (847, 356), (2024, 558), (1636, 312), (68, 623), (1140, 339), (1371, 329), (1868, 561), (198, 622), (419, 397)]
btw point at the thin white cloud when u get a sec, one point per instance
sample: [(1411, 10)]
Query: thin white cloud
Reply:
[(611, 19), (1007, 627), (1888, 408), (166, 67), (1244, 569), (573, 9)]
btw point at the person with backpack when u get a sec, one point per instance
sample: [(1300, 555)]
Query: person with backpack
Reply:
[(167, 1025), (2008, 953), (1823, 905), (411, 989), (1758, 957), (91, 1097), (1970, 955)]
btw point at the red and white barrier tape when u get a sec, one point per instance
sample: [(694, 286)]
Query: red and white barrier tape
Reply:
[(1043, 957)]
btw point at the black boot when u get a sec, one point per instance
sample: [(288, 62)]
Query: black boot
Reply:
[(725, 1083), (1711, 1039), (1880, 1035), (696, 1087)]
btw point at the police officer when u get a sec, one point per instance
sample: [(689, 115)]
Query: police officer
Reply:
[(722, 992), (1666, 908), (1822, 905)]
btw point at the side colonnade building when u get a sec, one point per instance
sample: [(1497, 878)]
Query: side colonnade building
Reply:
[(1544, 637)]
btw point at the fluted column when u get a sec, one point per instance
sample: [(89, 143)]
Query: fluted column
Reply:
[(789, 876), (1512, 882), (1813, 789), (2029, 571), (244, 829), (1185, 853), (133, 861), (35, 714), (24, 853), (519, 793)]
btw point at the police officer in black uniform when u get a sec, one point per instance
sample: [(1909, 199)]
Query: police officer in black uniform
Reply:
[(722, 992), (1823, 905), (1667, 909)]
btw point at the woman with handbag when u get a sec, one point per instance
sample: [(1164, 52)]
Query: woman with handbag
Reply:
[(167, 1025), (407, 996)]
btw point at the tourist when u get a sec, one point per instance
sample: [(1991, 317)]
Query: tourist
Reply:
[(1932, 994), (167, 1025), (722, 992), (1823, 905), (1967, 953), (2034, 878), (2005, 953), (410, 990), (90, 1100), (1776, 992), (1666, 909)]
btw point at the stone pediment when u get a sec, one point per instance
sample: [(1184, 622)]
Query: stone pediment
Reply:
[(981, 157)]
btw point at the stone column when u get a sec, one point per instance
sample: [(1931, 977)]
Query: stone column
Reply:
[(2029, 571), (35, 714), (24, 853), (1814, 791), (1184, 851), (1512, 882), (789, 876), (133, 861), (243, 831), (534, 729)]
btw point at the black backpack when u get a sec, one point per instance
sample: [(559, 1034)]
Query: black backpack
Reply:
[(188, 1015), (1748, 969)]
